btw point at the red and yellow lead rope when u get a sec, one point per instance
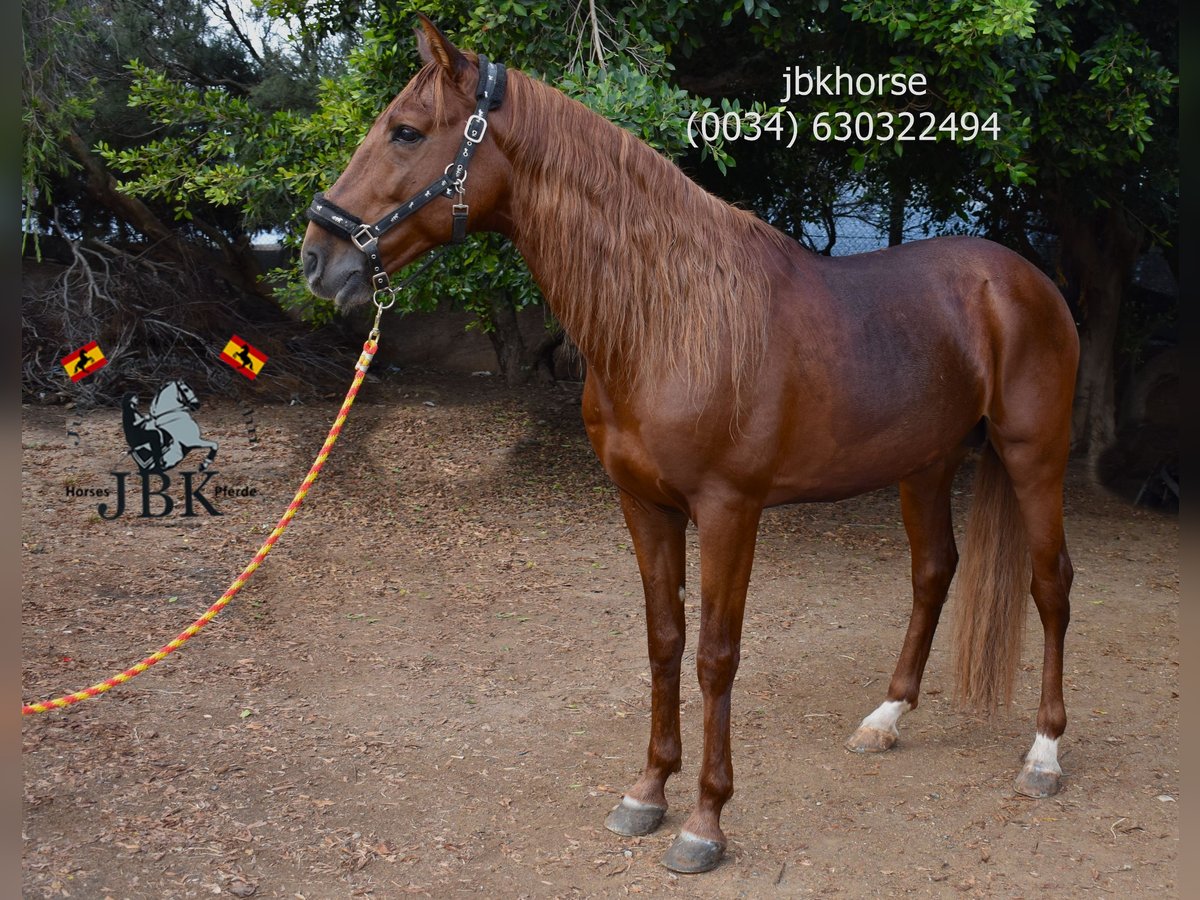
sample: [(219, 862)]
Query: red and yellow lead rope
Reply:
[(364, 362)]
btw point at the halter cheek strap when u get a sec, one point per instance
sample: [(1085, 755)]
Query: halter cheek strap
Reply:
[(489, 94)]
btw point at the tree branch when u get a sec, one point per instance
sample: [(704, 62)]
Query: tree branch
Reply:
[(241, 36), (236, 267)]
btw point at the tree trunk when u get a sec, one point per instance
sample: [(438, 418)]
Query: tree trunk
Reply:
[(517, 361), (1098, 251), (506, 338), (1135, 402), (103, 188), (1094, 425)]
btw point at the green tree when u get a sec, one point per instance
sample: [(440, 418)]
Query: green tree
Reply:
[(76, 89), (156, 282)]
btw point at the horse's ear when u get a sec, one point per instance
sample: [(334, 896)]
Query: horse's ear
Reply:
[(435, 47)]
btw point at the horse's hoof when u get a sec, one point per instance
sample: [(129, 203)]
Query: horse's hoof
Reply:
[(1038, 782), (631, 818), (872, 740), (690, 854)]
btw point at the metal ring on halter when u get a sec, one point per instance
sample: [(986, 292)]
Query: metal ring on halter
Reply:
[(387, 292), (460, 183)]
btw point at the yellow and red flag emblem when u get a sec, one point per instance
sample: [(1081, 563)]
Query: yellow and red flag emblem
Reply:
[(83, 362), (244, 357)]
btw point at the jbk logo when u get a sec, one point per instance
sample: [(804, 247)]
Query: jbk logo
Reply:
[(159, 440), (192, 496)]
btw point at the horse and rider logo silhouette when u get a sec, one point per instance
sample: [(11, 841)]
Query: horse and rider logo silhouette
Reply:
[(158, 441)]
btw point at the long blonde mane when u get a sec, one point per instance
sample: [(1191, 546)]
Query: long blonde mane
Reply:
[(649, 274)]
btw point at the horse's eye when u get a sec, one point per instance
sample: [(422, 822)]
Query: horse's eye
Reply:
[(406, 134)]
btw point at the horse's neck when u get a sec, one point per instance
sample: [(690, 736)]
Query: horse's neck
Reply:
[(649, 275), (163, 402), (585, 194)]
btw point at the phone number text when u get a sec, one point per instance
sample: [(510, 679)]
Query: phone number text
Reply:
[(781, 125)]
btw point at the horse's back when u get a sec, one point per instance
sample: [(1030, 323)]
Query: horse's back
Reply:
[(958, 297), (884, 362)]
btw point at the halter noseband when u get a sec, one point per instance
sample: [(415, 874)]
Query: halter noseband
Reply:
[(489, 94)]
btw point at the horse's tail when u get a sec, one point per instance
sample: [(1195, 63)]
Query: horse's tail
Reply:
[(993, 584)]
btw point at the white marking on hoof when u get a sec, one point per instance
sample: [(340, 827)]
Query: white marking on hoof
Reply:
[(1041, 775), (878, 731), (886, 715), (1043, 755)]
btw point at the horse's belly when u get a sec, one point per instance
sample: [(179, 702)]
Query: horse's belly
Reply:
[(789, 445), (859, 448)]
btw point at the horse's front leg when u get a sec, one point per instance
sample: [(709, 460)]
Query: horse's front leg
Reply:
[(728, 531), (658, 540)]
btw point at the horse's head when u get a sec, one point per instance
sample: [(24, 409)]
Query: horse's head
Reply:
[(172, 396), (402, 183), (187, 397)]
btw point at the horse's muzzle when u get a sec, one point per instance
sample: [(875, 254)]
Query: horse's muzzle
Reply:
[(334, 272)]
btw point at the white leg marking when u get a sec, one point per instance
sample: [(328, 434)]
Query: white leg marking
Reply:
[(682, 594), (1043, 755), (886, 715)]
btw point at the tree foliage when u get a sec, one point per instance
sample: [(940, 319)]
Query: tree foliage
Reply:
[(226, 121), (1081, 176), (1080, 87)]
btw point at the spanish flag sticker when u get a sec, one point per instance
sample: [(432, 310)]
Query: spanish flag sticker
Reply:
[(244, 357), (83, 362)]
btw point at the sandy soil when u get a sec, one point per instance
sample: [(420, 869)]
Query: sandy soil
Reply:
[(437, 683)]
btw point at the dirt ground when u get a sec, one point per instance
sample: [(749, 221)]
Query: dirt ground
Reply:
[(437, 684)]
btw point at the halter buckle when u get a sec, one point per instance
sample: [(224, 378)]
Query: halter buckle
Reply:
[(360, 241), (476, 128)]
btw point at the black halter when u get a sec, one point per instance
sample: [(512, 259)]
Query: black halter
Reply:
[(488, 96)]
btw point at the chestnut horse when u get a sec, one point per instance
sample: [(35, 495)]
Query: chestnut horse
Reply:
[(728, 370)]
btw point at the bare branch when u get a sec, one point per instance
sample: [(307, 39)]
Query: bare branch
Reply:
[(251, 49), (597, 44)]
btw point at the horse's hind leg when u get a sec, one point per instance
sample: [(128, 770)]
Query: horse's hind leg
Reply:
[(925, 506), (212, 454), (658, 540), (1037, 476)]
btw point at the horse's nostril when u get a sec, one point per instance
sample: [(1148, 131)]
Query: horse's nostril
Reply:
[(312, 263)]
